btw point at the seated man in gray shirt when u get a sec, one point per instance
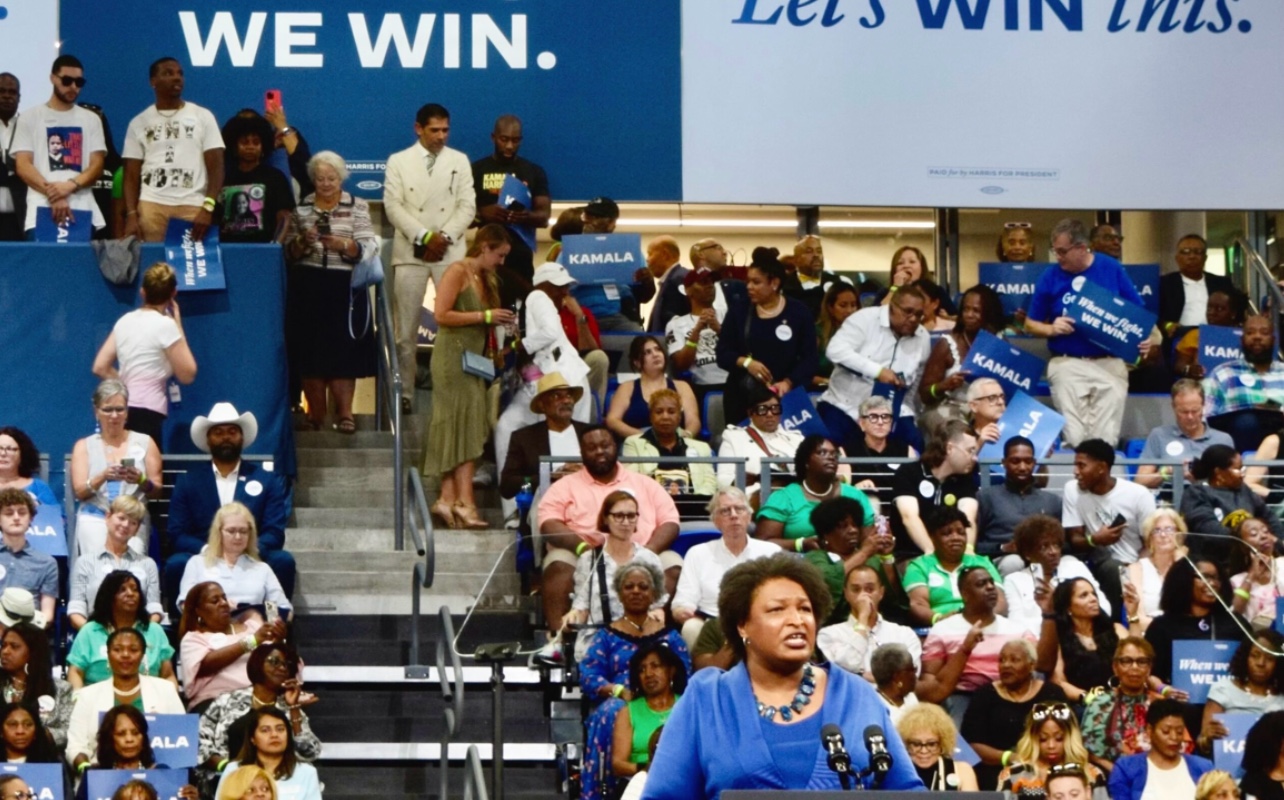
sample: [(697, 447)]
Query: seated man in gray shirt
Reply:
[(1000, 508), (1187, 440)]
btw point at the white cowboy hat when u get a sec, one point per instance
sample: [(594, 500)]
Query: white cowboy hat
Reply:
[(17, 605), (224, 414)]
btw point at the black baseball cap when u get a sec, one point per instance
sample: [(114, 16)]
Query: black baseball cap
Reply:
[(603, 208)]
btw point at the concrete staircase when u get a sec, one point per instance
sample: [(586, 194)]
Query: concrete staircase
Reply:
[(343, 534)]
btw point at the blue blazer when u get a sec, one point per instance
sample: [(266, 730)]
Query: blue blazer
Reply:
[(195, 501), (1128, 779), (714, 739)]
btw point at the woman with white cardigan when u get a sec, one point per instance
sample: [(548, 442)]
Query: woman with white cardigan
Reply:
[(125, 648)]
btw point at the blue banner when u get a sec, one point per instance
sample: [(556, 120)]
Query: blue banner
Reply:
[(1279, 615), (1013, 282), (45, 780), (605, 258), (103, 783), (1026, 417), (516, 196), (1217, 345), (174, 738), (798, 413), (1197, 665), (991, 357), (964, 752), (1146, 278), (427, 326), (79, 229), (48, 531), (1228, 751), (1112, 323), (199, 264)]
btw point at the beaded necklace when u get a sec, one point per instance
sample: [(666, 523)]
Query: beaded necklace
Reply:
[(800, 701)]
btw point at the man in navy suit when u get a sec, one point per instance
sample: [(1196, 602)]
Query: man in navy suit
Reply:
[(200, 492)]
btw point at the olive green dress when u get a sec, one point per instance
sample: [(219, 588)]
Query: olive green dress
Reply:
[(460, 421)]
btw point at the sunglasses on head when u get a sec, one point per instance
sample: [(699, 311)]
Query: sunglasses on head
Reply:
[(67, 80), (1021, 225), (1057, 711), (1070, 768)]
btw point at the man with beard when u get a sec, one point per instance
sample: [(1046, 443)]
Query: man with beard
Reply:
[(488, 180), (12, 192), (1245, 395), (811, 280), (1002, 507), (568, 520), (200, 492)]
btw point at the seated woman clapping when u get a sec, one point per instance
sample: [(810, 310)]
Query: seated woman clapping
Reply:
[(667, 438), (119, 604), (231, 558), (269, 744), (25, 739), (125, 651)]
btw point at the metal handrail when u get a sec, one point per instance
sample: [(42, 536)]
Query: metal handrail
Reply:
[(451, 675), (474, 777), (1259, 281), (421, 530), (388, 391)]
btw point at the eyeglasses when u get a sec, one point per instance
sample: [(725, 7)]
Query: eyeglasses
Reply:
[(10, 449), (992, 399), (239, 532), (1112, 237), (67, 80), (623, 516), (766, 410), (1127, 662), (918, 314), (922, 746), (1062, 252), (1192, 251), (1021, 225), (878, 418), (113, 410), (274, 661), (1058, 711), (1170, 529), (731, 511)]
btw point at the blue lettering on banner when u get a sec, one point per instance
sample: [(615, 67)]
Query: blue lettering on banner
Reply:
[(1217, 345), (1228, 752), (1197, 665), (1146, 278), (199, 264), (991, 357), (1026, 417), (516, 196), (1110, 322), (45, 780), (103, 783), (79, 229), (48, 531), (1014, 283), (609, 258)]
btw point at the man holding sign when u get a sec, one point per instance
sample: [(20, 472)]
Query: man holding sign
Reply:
[(1089, 383), (489, 175)]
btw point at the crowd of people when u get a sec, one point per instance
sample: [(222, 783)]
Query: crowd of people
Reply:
[(943, 603)]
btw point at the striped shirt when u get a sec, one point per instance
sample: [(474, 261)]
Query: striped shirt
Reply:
[(946, 637)]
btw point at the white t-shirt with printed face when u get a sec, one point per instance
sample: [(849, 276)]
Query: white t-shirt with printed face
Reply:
[(705, 371), (61, 144), (172, 146)]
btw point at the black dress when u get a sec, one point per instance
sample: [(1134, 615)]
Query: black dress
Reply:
[(1261, 786), (940, 777), (994, 721)]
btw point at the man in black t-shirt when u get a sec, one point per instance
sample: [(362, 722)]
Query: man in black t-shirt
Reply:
[(488, 178), (256, 199), (945, 477)]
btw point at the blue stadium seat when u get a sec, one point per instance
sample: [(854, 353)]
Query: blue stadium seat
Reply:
[(1132, 449), (697, 533)]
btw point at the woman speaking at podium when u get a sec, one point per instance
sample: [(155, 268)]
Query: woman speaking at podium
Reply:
[(761, 725)]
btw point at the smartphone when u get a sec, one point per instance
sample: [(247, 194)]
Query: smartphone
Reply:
[(127, 462), (272, 100), (1118, 520), (1123, 575), (273, 614)]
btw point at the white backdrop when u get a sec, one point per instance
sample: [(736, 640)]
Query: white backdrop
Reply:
[(28, 45), (900, 114)]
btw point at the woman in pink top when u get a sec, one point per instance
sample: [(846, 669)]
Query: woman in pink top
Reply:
[(215, 649), (149, 346)]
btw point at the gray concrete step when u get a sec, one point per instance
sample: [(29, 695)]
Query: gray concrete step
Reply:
[(345, 477), (327, 561), (366, 603), (398, 581), (343, 457), (362, 518), (344, 496), (348, 540)]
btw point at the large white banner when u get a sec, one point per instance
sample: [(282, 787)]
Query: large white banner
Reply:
[(29, 44), (1141, 104)]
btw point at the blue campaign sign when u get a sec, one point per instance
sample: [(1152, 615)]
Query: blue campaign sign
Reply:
[(199, 264), (79, 229), (515, 195), (45, 780), (48, 531), (1217, 345), (606, 258), (1146, 278), (1279, 615), (1112, 323), (1228, 752), (1026, 417), (1197, 665), (1013, 282), (103, 783), (964, 752), (798, 413), (1014, 368), (174, 738), (427, 326), (478, 58)]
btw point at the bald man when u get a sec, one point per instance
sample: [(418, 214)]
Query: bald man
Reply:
[(811, 280), (488, 178), (663, 257)]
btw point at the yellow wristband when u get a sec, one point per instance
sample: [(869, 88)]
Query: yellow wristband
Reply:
[(486, 316), (1007, 754), (1243, 594), (748, 361), (617, 690), (209, 204), (798, 543), (692, 345), (580, 548)]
